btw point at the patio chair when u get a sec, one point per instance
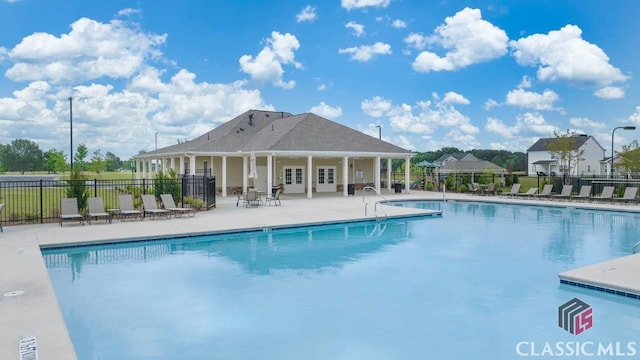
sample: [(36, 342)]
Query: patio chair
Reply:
[(629, 195), (565, 193), (275, 198), (490, 189), (169, 204), (69, 211), (126, 208), (150, 206), (251, 199), (529, 193), (475, 188), (607, 194), (96, 210), (585, 193), (546, 191), (515, 189)]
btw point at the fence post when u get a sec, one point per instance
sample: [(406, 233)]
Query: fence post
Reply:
[(144, 186), (41, 204), (95, 187)]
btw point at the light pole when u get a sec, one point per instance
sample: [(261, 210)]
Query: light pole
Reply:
[(379, 131), (612, 151), (71, 131), (157, 132)]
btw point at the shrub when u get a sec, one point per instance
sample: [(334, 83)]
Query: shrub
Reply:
[(78, 188), (167, 183)]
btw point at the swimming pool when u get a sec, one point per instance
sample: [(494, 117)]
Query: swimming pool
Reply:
[(479, 282)]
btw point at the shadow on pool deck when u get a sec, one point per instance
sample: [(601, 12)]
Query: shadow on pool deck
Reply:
[(28, 304)]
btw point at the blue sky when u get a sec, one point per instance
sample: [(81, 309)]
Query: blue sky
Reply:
[(468, 74)]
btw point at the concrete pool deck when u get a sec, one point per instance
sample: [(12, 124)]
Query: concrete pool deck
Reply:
[(28, 305)]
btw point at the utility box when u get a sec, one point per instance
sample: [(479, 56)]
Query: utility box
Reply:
[(398, 188), (351, 189)]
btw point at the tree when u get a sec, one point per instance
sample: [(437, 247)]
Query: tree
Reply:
[(564, 148), (80, 157), (78, 188), (22, 155), (629, 157), (98, 163), (55, 161), (112, 162)]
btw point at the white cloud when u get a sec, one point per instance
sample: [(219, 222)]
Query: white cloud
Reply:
[(90, 51), (587, 124), (610, 92), (525, 83), (326, 111), (532, 100), (267, 65), (635, 117), (490, 104), (399, 24), (376, 107), (528, 123), (468, 39), (361, 4), (416, 40), (563, 55), (365, 53), (307, 14), (455, 98), (128, 12), (358, 30)]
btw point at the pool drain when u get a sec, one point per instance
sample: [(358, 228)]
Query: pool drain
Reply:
[(13, 293)]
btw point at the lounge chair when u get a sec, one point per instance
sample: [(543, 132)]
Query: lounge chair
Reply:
[(565, 193), (69, 211), (275, 198), (585, 193), (151, 207), (607, 194), (529, 193), (546, 191), (96, 210), (1, 207), (169, 204), (475, 188), (515, 189), (629, 195), (126, 208)]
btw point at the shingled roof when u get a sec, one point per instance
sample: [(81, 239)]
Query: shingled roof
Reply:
[(543, 144), (257, 130)]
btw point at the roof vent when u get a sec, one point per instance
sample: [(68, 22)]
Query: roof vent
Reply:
[(251, 119)]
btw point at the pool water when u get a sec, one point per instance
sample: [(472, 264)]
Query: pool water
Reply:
[(480, 282)]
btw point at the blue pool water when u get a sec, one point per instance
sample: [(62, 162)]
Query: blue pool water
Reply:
[(480, 282)]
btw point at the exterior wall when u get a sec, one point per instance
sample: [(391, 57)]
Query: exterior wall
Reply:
[(534, 156), (593, 155)]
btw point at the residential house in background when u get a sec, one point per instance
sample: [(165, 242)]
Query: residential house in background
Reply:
[(465, 163), (542, 162)]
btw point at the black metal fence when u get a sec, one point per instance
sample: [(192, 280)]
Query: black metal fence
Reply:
[(31, 202)]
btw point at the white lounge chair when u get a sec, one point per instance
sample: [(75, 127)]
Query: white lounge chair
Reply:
[(629, 195), (565, 193), (529, 193), (126, 208), (585, 193), (169, 204), (515, 189), (96, 210), (607, 194), (151, 207), (69, 211), (546, 191)]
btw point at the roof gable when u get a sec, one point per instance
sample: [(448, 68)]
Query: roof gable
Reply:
[(257, 130), (544, 144)]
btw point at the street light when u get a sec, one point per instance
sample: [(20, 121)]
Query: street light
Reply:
[(157, 132), (379, 132), (71, 131), (612, 151)]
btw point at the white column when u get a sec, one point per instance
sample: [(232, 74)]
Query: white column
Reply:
[(407, 174), (376, 176), (269, 173), (211, 166), (224, 176), (244, 174), (181, 172), (309, 177), (173, 164), (345, 175), (137, 169), (192, 165), (389, 174)]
